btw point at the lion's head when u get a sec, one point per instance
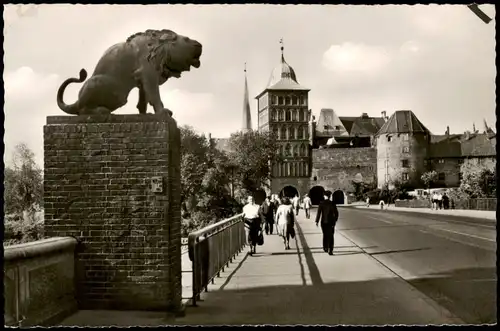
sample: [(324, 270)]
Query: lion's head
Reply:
[(173, 54)]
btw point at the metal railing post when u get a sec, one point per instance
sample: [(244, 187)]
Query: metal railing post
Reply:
[(206, 264)]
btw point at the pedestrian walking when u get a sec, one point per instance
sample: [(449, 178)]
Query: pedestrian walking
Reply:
[(328, 215), (307, 206), (285, 221), (440, 200), (446, 201), (367, 202), (381, 204), (267, 209), (434, 201), (253, 219), (296, 204)]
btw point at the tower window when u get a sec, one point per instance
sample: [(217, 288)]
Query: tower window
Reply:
[(441, 160), (406, 149), (405, 163), (287, 150), (389, 138), (404, 136), (300, 134), (405, 176)]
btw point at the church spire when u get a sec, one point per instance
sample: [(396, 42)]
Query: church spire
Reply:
[(282, 53), (247, 118)]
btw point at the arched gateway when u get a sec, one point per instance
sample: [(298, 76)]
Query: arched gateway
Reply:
[(338, 197), (289, 192), (316, 194)]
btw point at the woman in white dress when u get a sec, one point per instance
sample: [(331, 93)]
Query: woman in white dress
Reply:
[(285, 220)]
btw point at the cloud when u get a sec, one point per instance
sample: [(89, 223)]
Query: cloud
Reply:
[(31, 96), (350, 57)]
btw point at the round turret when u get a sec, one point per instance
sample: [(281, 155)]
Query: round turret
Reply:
[(402, 145)]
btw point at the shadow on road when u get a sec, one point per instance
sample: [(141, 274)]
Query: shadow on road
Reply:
[(469, 293)]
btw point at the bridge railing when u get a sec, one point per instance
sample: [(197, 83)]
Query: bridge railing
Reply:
[(213, 248)]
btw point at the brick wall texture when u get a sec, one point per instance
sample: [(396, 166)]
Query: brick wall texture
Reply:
[(97, 188), (334, 169)]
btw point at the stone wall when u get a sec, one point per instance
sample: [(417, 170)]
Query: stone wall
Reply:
[(98, 188), (390, 156), (301, 184), (335, 168), (450, 167), (39, 282)]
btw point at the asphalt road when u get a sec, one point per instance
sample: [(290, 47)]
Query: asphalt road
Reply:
[(450, 259)]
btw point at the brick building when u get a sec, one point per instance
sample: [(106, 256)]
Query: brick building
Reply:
[(335, 152)]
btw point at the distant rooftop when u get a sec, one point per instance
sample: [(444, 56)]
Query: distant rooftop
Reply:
[(403, 121)]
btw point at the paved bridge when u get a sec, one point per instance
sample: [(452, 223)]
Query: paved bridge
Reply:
[(388, 267)]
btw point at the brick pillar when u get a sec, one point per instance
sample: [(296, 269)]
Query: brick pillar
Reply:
[(97, 188)]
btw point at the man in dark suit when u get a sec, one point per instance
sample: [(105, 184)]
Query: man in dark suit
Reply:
[(328, 214)]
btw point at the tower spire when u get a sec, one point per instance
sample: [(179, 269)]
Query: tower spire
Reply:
[(247, 119), (282, 48)]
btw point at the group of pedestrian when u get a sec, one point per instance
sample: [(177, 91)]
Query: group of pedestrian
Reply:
[(440, 201), (283, 213)]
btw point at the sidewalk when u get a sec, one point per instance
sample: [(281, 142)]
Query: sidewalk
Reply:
[(304, 285), (483, 214)]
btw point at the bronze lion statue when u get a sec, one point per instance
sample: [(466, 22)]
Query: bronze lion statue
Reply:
[(145, 60)]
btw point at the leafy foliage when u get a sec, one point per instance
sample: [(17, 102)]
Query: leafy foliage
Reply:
[(252, 154), (205, 195), (361, 189), (429, 177), (478, 181), (23, 197)]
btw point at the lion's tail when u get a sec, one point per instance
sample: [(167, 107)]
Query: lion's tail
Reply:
[(72, 109)]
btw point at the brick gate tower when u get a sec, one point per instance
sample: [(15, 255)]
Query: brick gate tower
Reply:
[(283, 109)]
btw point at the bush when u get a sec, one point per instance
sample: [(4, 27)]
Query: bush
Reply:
[(23, 228)]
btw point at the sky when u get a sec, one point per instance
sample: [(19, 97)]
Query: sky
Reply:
[(436, 60)]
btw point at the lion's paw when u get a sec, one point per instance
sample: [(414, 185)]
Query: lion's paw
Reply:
[(165, 111)]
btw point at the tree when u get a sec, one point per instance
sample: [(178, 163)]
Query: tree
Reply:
[(429, 177), (194, 165), (23, 197), (478, 181), (205, 184), (252, 154), (23, 182)]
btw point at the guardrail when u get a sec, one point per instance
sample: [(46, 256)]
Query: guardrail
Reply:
[(468, 204), (213, 248), (39, 282)]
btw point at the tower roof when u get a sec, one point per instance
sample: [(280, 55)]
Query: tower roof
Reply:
[(403, 121), (283, 76), (247, 116)]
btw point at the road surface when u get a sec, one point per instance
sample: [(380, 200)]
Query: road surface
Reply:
[(450, 259)]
